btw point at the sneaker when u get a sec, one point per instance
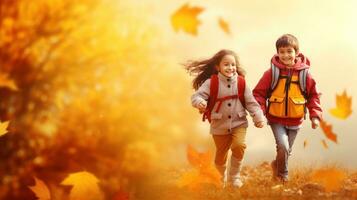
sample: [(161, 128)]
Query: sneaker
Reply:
[(284, 180), (237, 183)]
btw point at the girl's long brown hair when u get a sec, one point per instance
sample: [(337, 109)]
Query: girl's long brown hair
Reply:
[(204, 69)]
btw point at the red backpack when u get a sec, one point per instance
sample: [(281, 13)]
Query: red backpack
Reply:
[(212, 100)]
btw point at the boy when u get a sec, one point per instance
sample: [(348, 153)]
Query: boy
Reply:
[(284, 92)]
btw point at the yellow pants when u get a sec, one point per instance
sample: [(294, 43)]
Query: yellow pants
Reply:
[(234, 141)]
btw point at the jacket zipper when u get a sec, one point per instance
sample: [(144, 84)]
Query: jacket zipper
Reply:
[(287, 87)]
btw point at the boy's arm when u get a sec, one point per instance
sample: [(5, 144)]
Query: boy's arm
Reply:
[(202, 94), (260, 91), (313, 101)]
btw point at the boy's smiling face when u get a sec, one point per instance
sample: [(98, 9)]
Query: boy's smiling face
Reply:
[(287, 55), (227, 66)]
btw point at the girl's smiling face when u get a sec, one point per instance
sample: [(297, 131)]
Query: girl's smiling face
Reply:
[(227, 66), (287, 55)]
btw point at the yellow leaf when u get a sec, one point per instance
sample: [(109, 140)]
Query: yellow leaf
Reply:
[(330, 178), (327, 129), (185, 18), (7, 83), (41, 190), (85, 186), (224, 26), (3, 127), (343, 106)]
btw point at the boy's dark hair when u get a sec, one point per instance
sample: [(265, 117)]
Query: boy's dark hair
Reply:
[(287, 40)]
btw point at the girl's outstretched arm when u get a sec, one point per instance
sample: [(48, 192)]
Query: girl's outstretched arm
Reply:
[(201, 95), (260, 91), (253, 107)]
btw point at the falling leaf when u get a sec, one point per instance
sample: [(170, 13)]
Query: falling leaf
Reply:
[(224, 26), (185, 18), (203, 172), (3, 127), (305, 143), (330, 178), (343, 106), (41, 190), (7, 83), (85, 186), (324, 144), (327, 129), (198, 160)]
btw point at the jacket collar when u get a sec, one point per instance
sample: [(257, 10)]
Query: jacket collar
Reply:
[(225, 79)]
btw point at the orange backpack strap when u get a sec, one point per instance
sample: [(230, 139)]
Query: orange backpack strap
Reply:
[(212, 97), (241, 89)]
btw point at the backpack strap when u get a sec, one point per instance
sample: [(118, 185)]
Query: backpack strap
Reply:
[(241, 89), (214, 93), (302, 81), (212, 97), (275, 72)]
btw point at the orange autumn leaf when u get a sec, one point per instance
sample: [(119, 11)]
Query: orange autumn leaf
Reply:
[(224, 26), (41, 190), (197, 159), (305, 143), (330, 178), (3, 127), (85, 186), (203, 172), (185, 18), (327, 130), (343, 106), (7, 83), (324, 144)]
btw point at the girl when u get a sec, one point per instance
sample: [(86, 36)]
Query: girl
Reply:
[(218, 84)]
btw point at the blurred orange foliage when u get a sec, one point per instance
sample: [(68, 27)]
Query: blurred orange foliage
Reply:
[(83, 87), (330, 178)]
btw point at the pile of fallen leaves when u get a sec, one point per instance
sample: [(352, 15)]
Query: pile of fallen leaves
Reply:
[(201, 181), (330, 182)]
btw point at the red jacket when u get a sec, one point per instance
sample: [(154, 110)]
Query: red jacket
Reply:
[(260, 91)]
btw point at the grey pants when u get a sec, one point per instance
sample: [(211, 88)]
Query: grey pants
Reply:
[(284, 139)]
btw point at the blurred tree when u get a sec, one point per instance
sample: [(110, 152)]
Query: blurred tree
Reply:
[(94, 91)]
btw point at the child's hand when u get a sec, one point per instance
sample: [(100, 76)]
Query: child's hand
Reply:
[(202, 106), (315, 123), (259, 124)]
